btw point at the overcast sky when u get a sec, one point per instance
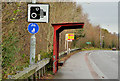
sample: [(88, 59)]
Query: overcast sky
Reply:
[(103, 13)]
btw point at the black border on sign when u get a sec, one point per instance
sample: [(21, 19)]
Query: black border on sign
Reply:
[(39, 3)]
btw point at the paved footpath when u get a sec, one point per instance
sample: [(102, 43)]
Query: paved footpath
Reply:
[(75, 68)]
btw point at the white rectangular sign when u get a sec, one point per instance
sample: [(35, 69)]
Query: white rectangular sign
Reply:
[(38, 13)]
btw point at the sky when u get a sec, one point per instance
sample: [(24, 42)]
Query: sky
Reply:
[(104, 14)]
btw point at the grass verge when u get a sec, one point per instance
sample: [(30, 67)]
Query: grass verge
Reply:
[(92, 48)]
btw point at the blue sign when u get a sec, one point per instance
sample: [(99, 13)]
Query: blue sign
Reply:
[(33, 28)]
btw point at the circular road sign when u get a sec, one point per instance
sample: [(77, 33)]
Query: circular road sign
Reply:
[(33, 28)]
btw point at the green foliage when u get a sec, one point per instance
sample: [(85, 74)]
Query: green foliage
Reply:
[(12, 20), (103, 44), (105, 30), (16, 11), (92, 48), (48, 55), (9, 49), (93, 43), (23, 55), (79, 34), (110, 46), (113, 44)]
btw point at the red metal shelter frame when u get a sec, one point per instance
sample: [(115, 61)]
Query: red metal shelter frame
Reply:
[(57, 29)]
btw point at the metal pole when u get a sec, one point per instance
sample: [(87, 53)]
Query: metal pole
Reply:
[(32, 49), (65, 42), (33, 1), (100, 39), (32, 45), (69, 50), (67, 47)]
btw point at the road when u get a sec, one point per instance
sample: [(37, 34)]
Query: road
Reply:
[(100, 64)]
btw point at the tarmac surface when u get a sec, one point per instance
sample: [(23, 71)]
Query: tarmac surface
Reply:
[(100, 64)]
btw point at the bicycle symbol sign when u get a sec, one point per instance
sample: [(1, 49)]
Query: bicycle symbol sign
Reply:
[(33, 28)]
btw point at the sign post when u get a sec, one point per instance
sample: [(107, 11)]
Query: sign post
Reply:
[(32, 49), (65, 41), (67, 48), (32, 28), (32, 43), (68, 38), (36, 13), (33, 1)]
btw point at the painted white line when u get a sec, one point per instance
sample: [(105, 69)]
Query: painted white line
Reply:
[(97, 70), (89, 53)]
